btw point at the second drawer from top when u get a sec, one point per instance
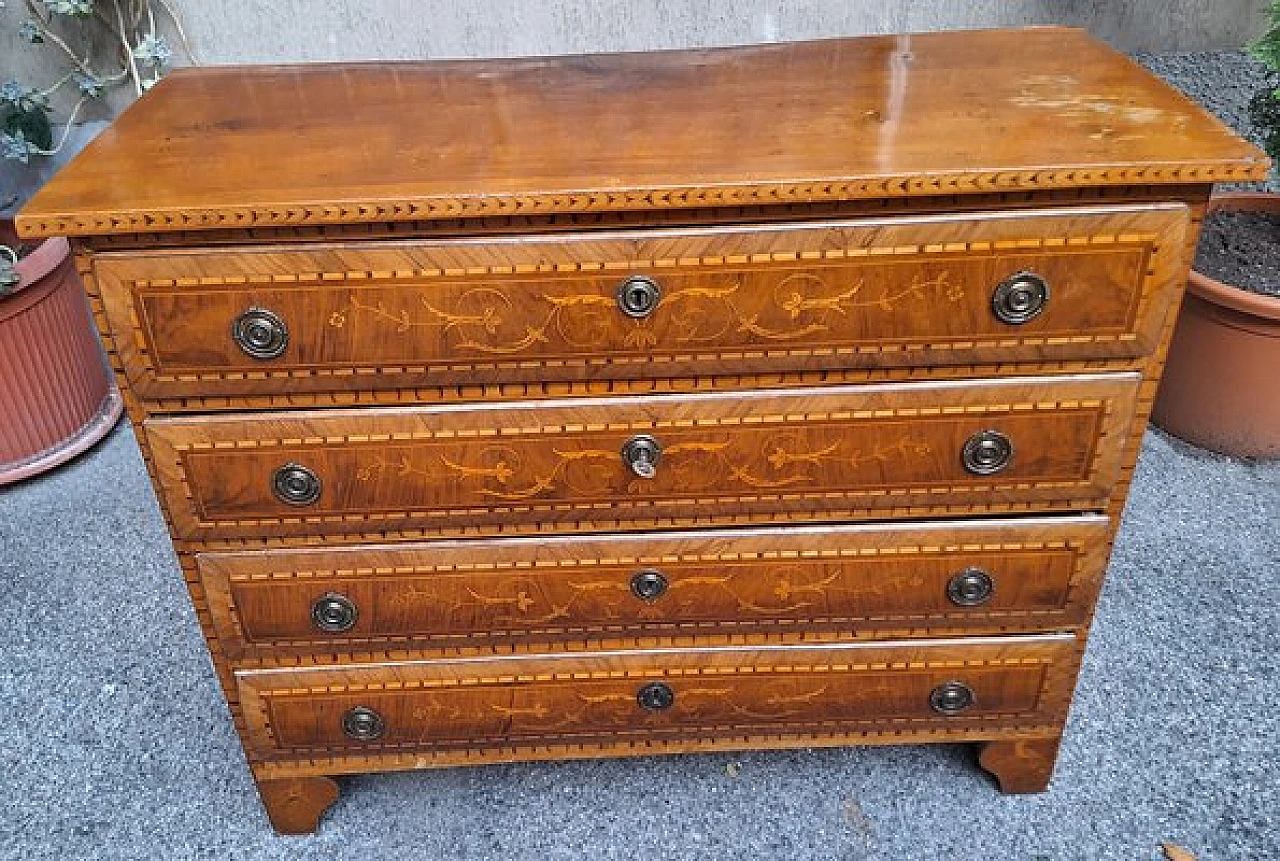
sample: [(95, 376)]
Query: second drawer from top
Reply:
[(904, 291), (842, 452)]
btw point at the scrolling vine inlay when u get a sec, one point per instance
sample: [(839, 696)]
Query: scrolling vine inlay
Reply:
[(523, 602), (799, 303), (503, 473)]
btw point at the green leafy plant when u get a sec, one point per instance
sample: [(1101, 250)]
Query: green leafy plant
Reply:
[(140, 57), (1264, 108)]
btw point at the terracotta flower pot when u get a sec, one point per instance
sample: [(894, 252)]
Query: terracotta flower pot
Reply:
[(57, 397), (1221, 386)]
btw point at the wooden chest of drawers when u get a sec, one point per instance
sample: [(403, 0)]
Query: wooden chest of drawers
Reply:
[(618, 405)]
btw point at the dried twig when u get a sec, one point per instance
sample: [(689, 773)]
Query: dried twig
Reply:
[(66, 129), (133, 61)]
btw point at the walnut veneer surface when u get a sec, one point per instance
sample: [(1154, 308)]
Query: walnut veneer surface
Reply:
[(700, 400)]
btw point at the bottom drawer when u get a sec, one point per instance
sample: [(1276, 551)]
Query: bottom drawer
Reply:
[(473, 709)]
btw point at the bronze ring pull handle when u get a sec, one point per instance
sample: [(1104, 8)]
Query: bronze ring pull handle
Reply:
[(987, 453), (260, 334), (1020, 298), (363, 724)]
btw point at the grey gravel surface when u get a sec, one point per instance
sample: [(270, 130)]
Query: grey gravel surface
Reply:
[(115, 743), (1222, 81)]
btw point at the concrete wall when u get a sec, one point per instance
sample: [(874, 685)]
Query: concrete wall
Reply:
[(282, 31), (290, 30)]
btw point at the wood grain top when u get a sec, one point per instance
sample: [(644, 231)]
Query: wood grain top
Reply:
[(884, 116)]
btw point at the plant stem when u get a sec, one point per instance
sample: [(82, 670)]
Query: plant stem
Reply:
[(120, 37), (37, 12), (66, 129), (128, 48), (82, 65), (127, 21), (53, 88)]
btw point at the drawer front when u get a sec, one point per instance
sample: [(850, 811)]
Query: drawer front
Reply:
[(1025, 574), (879, 450), (656, 695), (877, 293)]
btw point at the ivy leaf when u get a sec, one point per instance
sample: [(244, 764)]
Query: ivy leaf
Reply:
[(1266, 49), (1264, 111), (30, 126), (22, 98), (11, 93), (15, 146), (69, 7), (31, 31), (90, 86), (154, 51)]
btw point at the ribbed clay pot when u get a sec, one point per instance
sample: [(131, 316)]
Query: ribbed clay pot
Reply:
[(1221, 385), (57, 397)]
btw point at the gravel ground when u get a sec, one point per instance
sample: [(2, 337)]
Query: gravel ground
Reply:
[(115, 743), (1222, 81)]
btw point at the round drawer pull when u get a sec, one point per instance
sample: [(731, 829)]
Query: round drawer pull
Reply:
[(638, 296), (656, 696), (970, 587), (641, 455), (987, 452), (260, 333), (334, 613), (648, 585), (363, 724), (1020, 298), (951, 698), (295, 484)]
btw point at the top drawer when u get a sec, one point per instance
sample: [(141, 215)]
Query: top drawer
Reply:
[(976, 288)]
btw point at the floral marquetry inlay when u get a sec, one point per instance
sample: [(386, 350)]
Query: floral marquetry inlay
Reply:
[(555, 590), (764, 591), (423, 714), (831, 296), (773, 304), (811, 452), (507, 473)]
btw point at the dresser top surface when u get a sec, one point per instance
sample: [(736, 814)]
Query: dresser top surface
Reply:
[(867, 117)]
